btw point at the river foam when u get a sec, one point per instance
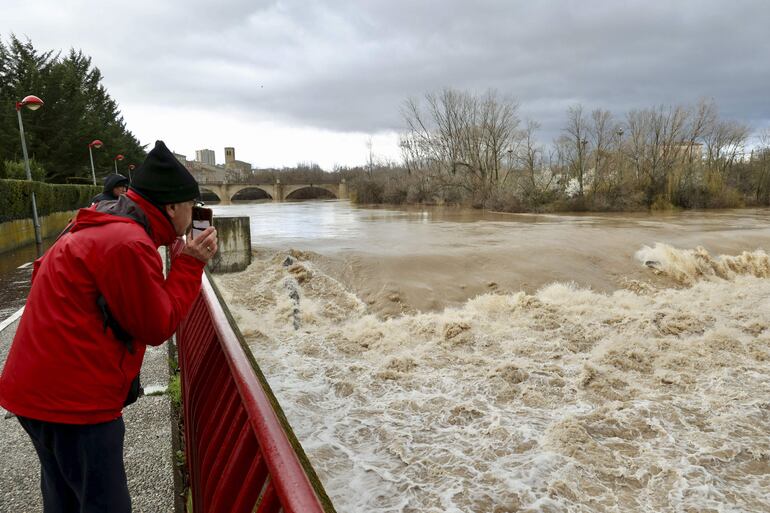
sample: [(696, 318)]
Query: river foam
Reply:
[(644, 399)]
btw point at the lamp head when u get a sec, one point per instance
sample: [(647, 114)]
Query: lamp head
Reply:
[(32, 102)]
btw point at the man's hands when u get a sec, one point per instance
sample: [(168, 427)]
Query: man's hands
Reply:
[(203, 246)]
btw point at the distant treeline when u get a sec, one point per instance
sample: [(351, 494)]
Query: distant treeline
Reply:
[(474, 149), (77, 110)]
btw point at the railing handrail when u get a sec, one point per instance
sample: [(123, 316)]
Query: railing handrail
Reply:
[(226, 373), (293, 486)]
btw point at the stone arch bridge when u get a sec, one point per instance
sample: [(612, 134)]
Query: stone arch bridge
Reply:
[(277, 191)]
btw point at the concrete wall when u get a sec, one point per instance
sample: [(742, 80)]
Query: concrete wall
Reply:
[(14, 234), (234, 253)]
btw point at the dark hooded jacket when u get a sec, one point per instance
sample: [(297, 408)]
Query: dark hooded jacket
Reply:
[(65, 365), (112, 181)]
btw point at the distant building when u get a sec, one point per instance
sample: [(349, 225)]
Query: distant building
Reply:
[(235, 165), (685, 150), (206, 157), (206, 173), (181, 158)]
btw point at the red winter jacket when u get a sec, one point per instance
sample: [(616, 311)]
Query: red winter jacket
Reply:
[(63, 365)]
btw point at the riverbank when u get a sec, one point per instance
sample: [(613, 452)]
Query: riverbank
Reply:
[(147, 452), (563, 206)]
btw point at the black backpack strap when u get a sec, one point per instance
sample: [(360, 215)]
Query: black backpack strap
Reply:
[(135, 389), (109, 320)]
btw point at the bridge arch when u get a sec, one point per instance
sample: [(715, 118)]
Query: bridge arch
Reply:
[(251, 193), (209, 196), (319, 191)]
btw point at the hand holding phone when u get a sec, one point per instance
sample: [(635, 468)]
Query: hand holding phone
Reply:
[(202, 241), (202, 218)]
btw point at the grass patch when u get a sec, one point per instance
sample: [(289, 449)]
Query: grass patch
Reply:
[(174, 390)]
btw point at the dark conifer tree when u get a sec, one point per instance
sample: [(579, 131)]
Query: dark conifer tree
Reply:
[(77, 110)]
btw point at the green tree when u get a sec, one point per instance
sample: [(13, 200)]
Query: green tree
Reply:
[(14, 170), (77, 110)]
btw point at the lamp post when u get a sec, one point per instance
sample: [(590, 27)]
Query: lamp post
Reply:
[(508, 152), (116, 159), (96, 143), (131, 167), (32, 103), (621, 160), (583, 144)]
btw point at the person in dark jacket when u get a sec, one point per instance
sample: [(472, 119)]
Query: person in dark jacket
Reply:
[(69, 370), (115, 185)]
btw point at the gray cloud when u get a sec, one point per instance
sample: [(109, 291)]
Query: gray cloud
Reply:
[(348, 66)]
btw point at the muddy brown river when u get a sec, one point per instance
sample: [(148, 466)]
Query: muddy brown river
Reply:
[(448, 360)]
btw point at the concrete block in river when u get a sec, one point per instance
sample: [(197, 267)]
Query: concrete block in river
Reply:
[(234, 252)]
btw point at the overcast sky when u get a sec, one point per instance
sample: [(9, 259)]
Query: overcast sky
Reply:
[(290, 81)]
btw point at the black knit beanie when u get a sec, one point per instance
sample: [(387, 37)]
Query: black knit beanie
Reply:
[(162, 179)]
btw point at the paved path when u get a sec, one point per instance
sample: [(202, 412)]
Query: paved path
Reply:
[(148, 453)]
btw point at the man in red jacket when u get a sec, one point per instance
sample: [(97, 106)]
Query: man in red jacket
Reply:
[(81, 341)]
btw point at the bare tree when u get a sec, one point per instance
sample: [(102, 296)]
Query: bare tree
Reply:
[(685, 177), (702, 121), (499, 124), (760, 163), (724, 142), (601, 134), (655, 143), (537, 173), (577, 132), (370, 155), (474, 145), (459, 138)]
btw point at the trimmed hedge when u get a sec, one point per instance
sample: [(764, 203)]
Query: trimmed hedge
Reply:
[(15, 201)]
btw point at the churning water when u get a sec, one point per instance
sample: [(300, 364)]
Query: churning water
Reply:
[(647, 390)]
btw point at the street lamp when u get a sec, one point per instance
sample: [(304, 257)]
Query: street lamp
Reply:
[(32, 103), (116, 159), (583, 144), (96, 143), (131, 167)]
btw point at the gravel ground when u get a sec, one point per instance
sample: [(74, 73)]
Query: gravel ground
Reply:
[(147, 452)]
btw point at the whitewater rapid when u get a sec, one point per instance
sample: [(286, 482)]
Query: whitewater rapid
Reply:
[(652, 398)]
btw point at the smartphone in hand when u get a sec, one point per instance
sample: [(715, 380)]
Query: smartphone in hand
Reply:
[(202, 218)]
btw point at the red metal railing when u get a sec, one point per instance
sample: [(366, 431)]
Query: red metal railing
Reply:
[(239, 456)]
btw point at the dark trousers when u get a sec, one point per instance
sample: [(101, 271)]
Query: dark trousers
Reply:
[(81, 466)]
